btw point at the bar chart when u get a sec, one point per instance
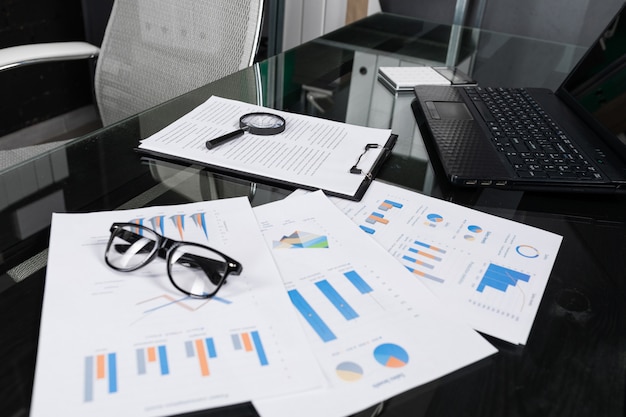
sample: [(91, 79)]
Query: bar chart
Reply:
[(340, 301), (500, 278), (423, 258), (202, 351), (162, 224), (359, 283), (250, 342), (336, 300), (100, 375), (311, 316), (378, 217), (200, 222), (178, 220), (189, 357), (152, 359), (158, 224)]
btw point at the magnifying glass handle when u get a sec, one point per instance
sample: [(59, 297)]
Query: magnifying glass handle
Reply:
[(210, 144)]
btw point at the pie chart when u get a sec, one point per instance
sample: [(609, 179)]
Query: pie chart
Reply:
[(349, 371), (391, 355), (435, 218)]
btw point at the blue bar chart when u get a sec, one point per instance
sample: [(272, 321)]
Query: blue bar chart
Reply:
[(100, 375), (336, 300), (501, 278), (342, 294), (368, 230), (359, 283), (311, 316)]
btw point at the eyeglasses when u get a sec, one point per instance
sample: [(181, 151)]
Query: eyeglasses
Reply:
[(194, 269)]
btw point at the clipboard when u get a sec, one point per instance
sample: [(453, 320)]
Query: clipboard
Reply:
[(149, 157), (311, 153)]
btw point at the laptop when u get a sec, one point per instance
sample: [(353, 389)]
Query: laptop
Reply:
[(569, 140)]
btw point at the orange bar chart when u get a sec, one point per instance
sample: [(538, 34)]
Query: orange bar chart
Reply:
[(203, 350)]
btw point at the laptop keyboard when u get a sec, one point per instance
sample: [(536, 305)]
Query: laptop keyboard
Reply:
[(531, 141)]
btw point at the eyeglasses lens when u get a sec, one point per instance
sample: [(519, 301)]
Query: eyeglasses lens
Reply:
[(130, 247), (197, 270)]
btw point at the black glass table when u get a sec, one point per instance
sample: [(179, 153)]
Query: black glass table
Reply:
[(573, 363)]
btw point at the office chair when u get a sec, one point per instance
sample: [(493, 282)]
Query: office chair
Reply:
[(153, 50)]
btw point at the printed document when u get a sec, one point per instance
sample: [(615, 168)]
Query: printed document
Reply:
[(129, 343), (491, 271), (375, 330), (313, 153)]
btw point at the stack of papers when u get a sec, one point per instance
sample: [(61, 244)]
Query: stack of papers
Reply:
[(404, 79), (311, 153), (321, 321)]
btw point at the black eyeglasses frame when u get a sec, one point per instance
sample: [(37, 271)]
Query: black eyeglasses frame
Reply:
[(164, 248)]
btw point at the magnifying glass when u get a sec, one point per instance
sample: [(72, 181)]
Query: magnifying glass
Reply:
[(258, 123)]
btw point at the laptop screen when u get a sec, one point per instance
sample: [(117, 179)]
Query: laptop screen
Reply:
[(598, 83)]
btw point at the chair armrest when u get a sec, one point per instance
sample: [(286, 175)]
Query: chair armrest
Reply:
[(15, 56)]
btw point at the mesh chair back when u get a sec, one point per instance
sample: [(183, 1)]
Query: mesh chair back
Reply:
[(154, 50)]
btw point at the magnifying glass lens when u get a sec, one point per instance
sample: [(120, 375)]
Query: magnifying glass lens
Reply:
[(255, 123), (263, 121)]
